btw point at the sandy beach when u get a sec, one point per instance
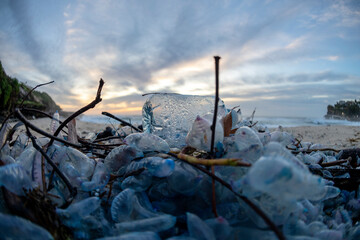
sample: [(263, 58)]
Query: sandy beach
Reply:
[(335, 136), (83, 128)]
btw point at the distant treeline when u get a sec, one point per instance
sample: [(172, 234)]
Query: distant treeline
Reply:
[(12, 92), (348, 110)]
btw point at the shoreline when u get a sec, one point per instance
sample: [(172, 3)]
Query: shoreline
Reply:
[(335, 136)]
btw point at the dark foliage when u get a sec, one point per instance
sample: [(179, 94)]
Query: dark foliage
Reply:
[(349, 110), (12, 93)]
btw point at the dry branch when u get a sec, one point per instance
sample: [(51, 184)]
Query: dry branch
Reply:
[(72, 190), (213, 162), (82, 110), (28, 94), (36, 129), (267, 220), (122, 121)]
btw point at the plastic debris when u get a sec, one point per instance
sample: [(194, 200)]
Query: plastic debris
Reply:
[(73, 215), (13, 227), (147, 142), (99, 179), (118, 159), (55, 122), (142, 190), (82, 163), (156, 166), (15, 179), (154, 224), (126, 206), (199, 136), (245, 144), (170, 115), (198, 229), (135, 236), (287, 179)]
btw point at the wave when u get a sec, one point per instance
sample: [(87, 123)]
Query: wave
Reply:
[(273, 122), (270, 122)]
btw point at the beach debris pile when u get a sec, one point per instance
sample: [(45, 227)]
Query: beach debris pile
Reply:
[(157, 183)]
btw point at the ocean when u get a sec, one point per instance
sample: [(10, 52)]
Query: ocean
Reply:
[(270, 122)]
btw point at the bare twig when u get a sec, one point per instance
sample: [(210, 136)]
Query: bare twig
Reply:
[(6, 136), (321, 160), (28, 94), (43, 113), (12, 113), (334, 163), (72, 190), (312, 150), (80, 111), (213, 126), (107, 138), (252, 115), (267, 220), (95, 145), (253, 124), (122, 121), (213, 162), (235, 107), (36, 129)]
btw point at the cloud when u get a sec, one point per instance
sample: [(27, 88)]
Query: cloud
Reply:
[(158, 46), (40, 52), (327, 15), (332, 58), (303, 94)]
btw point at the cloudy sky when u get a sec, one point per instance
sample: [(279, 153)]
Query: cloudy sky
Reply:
[(286, 58)]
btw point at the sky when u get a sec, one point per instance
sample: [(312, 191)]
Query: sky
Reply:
[(284, 58)]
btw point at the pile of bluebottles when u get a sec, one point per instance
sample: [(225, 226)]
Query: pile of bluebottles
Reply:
[(170, 199)]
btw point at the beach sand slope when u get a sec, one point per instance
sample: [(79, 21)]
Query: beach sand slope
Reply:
[(336, 136)]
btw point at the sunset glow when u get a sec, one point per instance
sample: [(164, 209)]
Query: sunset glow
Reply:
[(275, 55)]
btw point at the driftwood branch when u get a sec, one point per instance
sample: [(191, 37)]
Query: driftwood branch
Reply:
[(267, 220), (28, 94), (82, 110), (38, 130), (335, 163), (213, 162), (213, 126), (122, 121), (294, 151), (95, 145), (89, 144), (72, 190), (42, 113), (107, 138)]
